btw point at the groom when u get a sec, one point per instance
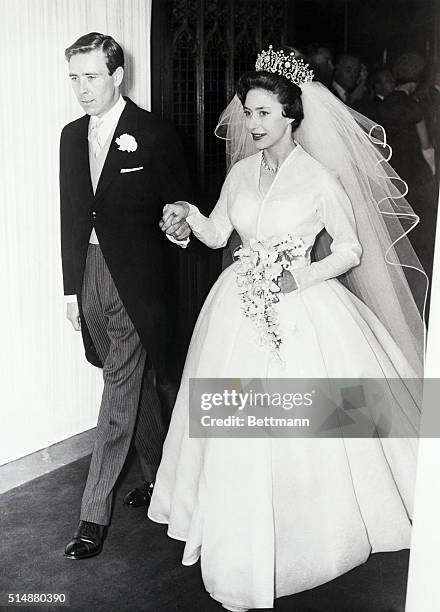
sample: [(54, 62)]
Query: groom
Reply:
[(118, 165)]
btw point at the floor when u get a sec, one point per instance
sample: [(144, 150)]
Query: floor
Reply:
[(139, 568)]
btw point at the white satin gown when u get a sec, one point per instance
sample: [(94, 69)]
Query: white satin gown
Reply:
[(273, 517)]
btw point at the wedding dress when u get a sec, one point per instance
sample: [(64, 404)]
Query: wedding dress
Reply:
[(273, 517)]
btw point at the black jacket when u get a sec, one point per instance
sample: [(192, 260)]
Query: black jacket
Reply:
[(125, 212)]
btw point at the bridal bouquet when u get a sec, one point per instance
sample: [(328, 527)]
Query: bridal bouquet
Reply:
[(260, 265)]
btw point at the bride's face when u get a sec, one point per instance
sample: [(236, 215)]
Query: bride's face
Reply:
[(264, 119)]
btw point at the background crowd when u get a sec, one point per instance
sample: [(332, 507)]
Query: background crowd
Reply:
[(403, 96)]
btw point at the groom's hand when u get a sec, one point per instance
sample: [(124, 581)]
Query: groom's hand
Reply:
[(182, 230), (173, 218), (72, 314)]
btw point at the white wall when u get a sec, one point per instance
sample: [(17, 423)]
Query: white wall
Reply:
[(424, 567), (47, 390)]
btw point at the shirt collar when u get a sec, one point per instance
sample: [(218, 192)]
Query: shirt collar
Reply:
[(109, 120)]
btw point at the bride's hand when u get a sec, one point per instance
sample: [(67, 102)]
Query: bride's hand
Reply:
[(286, 282), (173, 217)]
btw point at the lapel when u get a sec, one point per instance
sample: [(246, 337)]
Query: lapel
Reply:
[(117, 159), (80, 157)]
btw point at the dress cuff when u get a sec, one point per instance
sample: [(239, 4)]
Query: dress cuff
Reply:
[(193, 216), (70, 299)]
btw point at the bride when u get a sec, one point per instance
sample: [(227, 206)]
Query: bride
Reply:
[(269, 517)]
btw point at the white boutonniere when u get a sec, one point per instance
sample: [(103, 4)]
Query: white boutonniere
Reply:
[(127, 142)]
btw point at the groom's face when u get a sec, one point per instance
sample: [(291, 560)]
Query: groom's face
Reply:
[(96, 89)]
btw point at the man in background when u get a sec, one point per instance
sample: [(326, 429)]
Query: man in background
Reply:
[(381, 85), (349, 79), (413, 155), (320, 60)]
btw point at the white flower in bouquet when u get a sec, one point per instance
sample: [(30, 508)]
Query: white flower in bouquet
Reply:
[(260, 265)]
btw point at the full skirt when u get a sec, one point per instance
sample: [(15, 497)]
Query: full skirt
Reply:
[(269, 517)]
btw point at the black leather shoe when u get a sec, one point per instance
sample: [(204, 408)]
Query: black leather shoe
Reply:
[(140, 496), (87, 541)]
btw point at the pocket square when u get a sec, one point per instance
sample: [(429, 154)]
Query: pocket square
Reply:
[(131, 169)]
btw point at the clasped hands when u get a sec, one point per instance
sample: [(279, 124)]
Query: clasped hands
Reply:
[(173, 220), (174, 224)]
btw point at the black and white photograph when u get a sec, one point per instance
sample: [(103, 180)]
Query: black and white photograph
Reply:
[(220, 305)]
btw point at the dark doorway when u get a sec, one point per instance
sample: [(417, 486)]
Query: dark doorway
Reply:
[(199, 48)]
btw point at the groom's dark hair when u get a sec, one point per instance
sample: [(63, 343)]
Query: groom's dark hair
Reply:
[(114, 56)]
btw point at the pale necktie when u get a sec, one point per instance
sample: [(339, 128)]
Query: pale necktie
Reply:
[(94, 138)]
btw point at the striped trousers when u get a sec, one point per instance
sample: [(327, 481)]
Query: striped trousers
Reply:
[(129, 397)]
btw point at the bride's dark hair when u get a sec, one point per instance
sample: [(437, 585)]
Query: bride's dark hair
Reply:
[(288, 94)]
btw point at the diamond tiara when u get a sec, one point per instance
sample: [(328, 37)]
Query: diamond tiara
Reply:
[(288, 66)]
